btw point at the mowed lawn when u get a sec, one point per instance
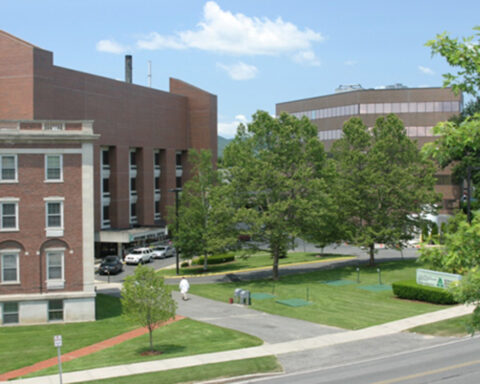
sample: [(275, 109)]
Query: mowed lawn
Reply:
[(345, 306), (21, 346), (182, 338), (257, 260)]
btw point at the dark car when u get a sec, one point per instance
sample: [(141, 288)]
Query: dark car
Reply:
[(111, 265)]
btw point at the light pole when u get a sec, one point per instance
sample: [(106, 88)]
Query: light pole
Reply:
[(176, 191)]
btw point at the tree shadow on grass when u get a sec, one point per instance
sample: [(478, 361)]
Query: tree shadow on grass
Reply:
[(161, 349)]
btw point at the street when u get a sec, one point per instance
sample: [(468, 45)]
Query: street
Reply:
[(455, 362)]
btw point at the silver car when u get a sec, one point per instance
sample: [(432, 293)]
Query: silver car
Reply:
[(163, 251)]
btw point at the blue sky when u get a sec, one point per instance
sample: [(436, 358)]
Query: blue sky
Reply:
[(251, 53)]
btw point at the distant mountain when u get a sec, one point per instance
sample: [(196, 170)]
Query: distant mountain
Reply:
[(222, 143)]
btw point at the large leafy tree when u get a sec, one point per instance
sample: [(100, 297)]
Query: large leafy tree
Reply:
[(279, 177), (205, 215), (384, 183), (463, 55), (146, 301)]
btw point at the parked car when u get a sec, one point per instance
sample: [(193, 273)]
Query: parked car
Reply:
[(163, 251), (139, 256), (111, 265)]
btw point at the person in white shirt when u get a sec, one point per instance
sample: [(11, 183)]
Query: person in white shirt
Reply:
[(184, 287)]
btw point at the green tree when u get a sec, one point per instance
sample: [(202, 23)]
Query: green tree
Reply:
[(384, 184), (205, 215), (467, 292), (280, 180), (461, 54), (461, 249), (146, 301)]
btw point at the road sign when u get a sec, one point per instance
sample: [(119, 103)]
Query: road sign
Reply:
[(57, 340)]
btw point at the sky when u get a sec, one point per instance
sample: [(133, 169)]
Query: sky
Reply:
[(252, 54)]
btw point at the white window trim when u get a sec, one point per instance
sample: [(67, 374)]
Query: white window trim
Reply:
[(3, 253), (9, 200), (55, 283), (60, 180), (15, 158), (54, 231)]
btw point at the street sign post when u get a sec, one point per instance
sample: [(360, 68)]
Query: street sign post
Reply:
[(57, 342)]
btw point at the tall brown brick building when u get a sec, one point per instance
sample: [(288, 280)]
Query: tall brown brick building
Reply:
[(139, 137), (420, 109)]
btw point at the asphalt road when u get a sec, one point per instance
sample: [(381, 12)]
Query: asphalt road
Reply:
[(456, 362)]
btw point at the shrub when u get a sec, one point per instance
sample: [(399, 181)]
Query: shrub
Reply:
[(215, 259), (412, 291), (184, 264)]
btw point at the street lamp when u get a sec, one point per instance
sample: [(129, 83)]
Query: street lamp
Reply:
[(176, 191)]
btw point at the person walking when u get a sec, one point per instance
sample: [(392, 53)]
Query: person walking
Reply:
[(184, 287)]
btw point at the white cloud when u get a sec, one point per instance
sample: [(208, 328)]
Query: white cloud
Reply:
[(426, 70), (350, 63), (111, 46), (229, 129), (239, 71), (237, 34)]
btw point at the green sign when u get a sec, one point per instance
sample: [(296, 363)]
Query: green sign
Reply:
[(435, 278)]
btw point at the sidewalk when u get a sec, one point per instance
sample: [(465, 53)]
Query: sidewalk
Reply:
[(265, 350)]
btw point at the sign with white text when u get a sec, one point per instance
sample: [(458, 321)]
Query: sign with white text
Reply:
[(436, 279), (57, 340)]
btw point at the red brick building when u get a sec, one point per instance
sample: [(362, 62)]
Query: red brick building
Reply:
[(144, 135)]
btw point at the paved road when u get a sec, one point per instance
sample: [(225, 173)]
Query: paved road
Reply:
[(456, 362), (128, 270)]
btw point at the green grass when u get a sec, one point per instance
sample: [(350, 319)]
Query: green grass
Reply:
[(200, 373), (257, 260), (182, 338), (39, 338), (452, 327), (341, 306)]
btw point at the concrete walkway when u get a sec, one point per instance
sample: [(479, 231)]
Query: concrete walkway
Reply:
[(277, 349)]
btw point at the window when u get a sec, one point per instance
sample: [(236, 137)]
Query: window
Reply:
[(55, 310), (53, 126), (10, 268), (133, 185), (10, 313), (55, 265), (53, 168), (106, 214), (157, 183), (105, 159), (9, 168), (133, 159), (54, 211), (178, 159), (106, 187), (133, 213), (156, 159), (9, 215)]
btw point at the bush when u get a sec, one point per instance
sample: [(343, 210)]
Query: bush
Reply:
[(184, 264), (412, 291), (215, 259)]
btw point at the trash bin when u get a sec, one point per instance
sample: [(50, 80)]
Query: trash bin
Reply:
[(236, 294), (245, 297)]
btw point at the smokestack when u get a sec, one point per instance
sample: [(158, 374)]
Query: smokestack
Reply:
[(128, 68)]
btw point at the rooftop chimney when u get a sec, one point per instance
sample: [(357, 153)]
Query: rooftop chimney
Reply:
[(128, 68)]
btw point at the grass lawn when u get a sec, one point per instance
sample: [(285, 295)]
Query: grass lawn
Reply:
[(451, 327), (182, 338), (39, 338), (257, 260), (344, 306), (200, 373)]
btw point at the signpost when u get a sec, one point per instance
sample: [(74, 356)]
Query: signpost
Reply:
[(57, 342), (436, 279)]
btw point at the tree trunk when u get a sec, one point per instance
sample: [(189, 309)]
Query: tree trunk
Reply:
[(276, 256), (150, 334), (372, 254)]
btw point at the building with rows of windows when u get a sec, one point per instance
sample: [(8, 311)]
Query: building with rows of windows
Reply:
[(139, 139), (420, 109)]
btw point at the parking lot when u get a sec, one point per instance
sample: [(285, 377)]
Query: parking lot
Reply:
[(128, 270)]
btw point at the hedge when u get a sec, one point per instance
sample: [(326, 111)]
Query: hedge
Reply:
[(410, 290), (215, 259)]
